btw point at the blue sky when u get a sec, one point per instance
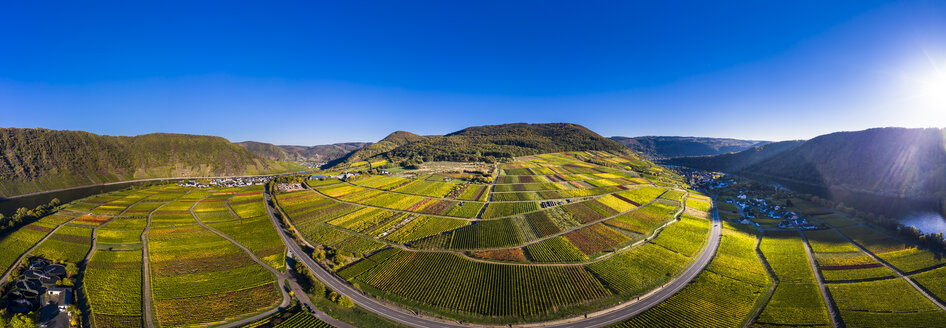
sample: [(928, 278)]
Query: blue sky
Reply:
[(312, 73)]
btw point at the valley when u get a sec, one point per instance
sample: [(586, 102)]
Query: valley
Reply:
[(591, 238)]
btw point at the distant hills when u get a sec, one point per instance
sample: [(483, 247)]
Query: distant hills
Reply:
[(41, 159), (318, 153), (735, 162), (890, 161), (654, 147), (484, 143)]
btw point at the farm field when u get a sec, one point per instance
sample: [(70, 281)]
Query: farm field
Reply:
[(797, 300), (113, 284), (70, 244), (495, 289), (888, 303), (550, 210), (199, 277), (552, 236), (723, 295)]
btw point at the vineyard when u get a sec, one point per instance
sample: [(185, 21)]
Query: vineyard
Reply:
[(194, 269), (557, 249), (797, 299), (723, 295), (113, 285), (70, 244), (478, 288), (887, 303)]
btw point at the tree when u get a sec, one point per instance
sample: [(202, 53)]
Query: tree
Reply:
[(318, 254), (345, 302), (72, 269), (22, 321)]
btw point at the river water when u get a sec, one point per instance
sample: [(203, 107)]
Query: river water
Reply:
[(921, 213), (928, 222), (8, 206)]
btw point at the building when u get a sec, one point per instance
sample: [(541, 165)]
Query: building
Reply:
[(61, 296)]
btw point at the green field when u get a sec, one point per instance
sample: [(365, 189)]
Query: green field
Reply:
[(721, 296), (797, 300), (887, 303)]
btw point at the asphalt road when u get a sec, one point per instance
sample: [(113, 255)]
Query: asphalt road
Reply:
[(406, 317)]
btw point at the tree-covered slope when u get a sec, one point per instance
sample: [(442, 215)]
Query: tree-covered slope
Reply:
[(896, 161), (486, 143), (668, 147), (735, 162), (318, 153), (40, 159)]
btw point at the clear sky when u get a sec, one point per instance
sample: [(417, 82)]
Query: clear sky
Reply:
[(313, 72)]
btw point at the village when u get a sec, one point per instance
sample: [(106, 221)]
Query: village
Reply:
[(225, 182), (767, 207)]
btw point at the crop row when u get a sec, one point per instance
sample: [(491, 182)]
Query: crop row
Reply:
[(885, 303), (302, 319), (68, 244), (719, 296), (18, 242), (797, 299), (259, 236), (596, 238), (557, 249), (686, 236), (645, 219), (113, 283), (448, 281), (495, 210), (194, 269)]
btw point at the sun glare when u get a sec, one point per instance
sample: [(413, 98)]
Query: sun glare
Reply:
[(924, 89), (931, 91)]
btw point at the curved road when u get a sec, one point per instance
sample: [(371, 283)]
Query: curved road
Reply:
[(606, 317)]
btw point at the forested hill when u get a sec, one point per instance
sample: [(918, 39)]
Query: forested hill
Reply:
[(40, 159), (735, 162), (485, 143), (667, 147), (392, 141), (318, 153), (895, 161)]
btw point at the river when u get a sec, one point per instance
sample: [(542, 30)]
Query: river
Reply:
[(8, 206), (928, 222), (921, 213)]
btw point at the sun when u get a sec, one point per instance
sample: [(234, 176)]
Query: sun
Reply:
[(931, 90), (924, 92)]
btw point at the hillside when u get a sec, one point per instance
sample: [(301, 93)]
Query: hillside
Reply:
[(392, 141), (894, 161), (318, 153), (485, 143), (667, 147), (735, 162), (40, 159)]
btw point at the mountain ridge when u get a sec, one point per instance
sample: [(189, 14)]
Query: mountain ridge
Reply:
[(893, 161), (43, 159), (317, 153), (487, 143), (658, 147)]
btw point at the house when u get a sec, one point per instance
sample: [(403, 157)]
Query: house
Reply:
[(61, 296)]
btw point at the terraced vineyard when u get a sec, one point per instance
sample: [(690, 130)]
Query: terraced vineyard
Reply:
[(797, 300), (196, 276), (722, 296), (553, 236), (556, 233)]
